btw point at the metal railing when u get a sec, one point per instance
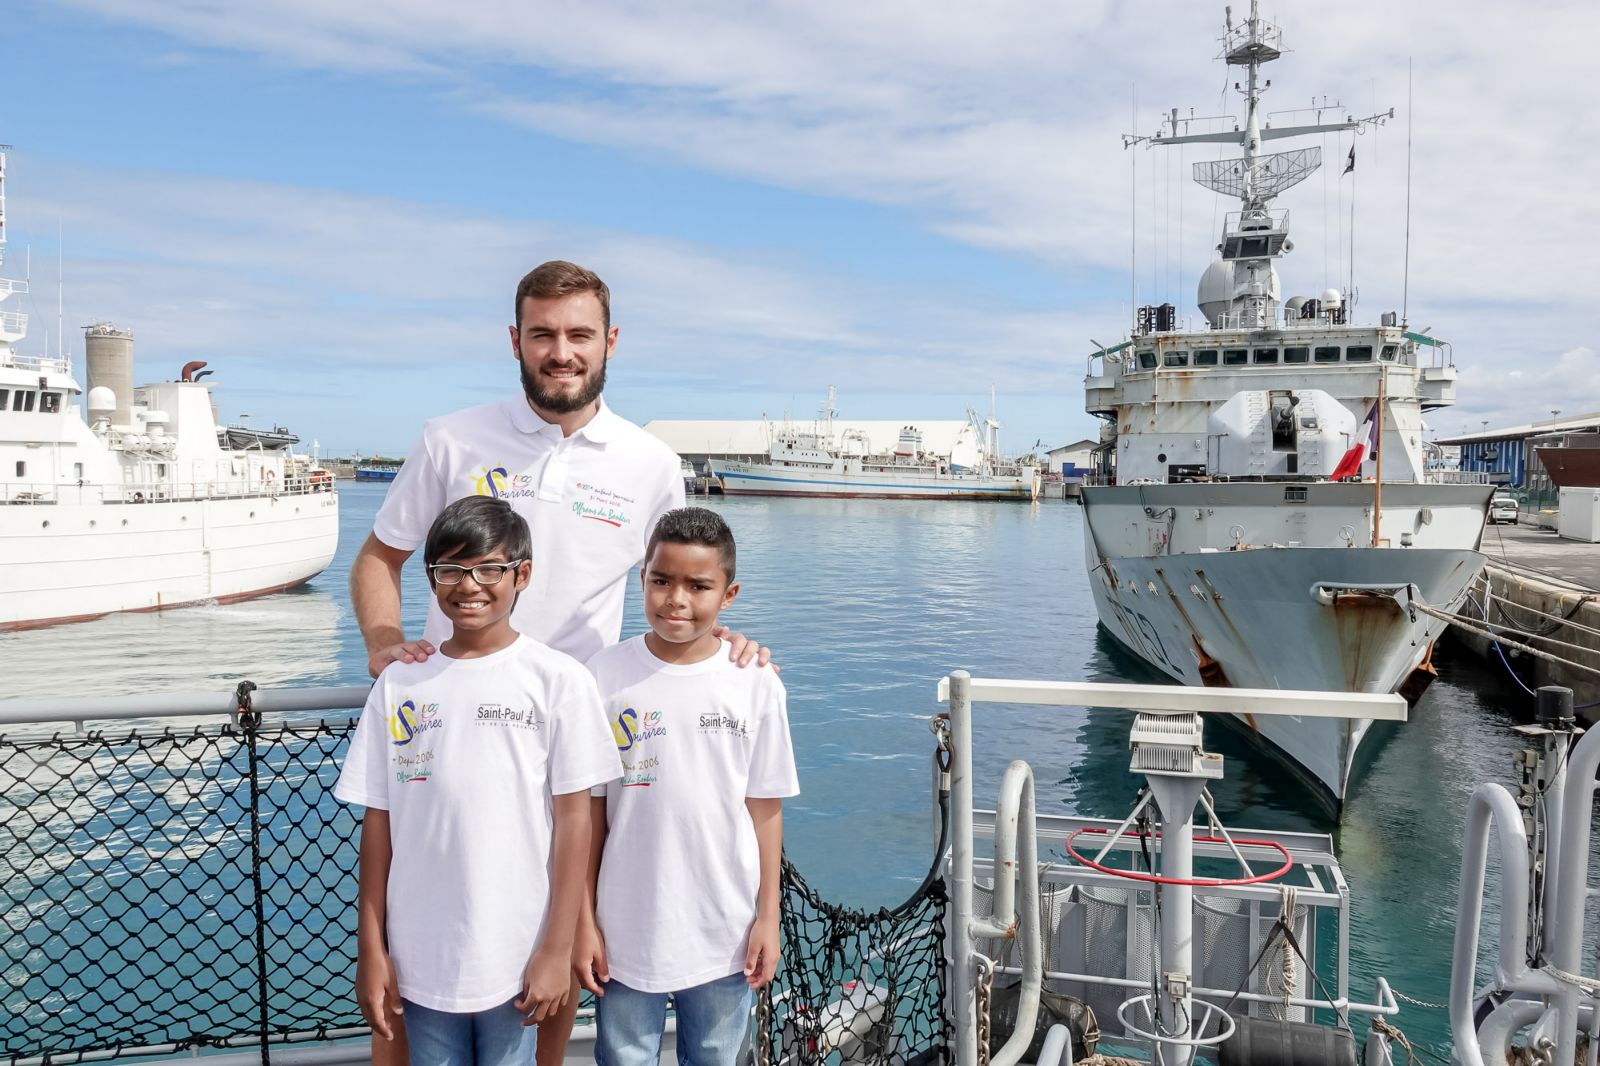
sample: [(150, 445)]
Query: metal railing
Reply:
[(137, 492), (1323, 890)]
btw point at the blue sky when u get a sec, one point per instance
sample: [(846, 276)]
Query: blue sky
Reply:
[(332, 203)]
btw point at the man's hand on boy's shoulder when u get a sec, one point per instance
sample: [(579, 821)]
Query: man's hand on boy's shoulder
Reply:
[(745, 651), (410, 651), (546, 983), (589, 957), (761, 958)]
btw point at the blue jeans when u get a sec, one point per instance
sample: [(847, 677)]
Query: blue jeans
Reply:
[(713, 1024), (493, 1037)]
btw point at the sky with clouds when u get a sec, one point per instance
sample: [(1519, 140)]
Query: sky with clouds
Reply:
[(332, 203)]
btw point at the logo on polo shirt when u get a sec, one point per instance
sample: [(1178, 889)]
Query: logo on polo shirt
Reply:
[(499, 483), (409, 719), (501, 715), (725, 724), (602, 505), (492, 481)]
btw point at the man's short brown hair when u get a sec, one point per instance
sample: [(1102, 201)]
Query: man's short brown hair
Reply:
[(561, 278)]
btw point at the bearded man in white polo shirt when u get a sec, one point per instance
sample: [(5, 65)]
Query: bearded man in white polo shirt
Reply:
[(589, 483)]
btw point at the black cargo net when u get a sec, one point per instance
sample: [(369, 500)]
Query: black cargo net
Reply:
[(163, 890), (168, 890), (858, 986)]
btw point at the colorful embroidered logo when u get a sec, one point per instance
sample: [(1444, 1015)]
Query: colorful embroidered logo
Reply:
[(632, 727), (407, 721), (603, 505), (492, 481)]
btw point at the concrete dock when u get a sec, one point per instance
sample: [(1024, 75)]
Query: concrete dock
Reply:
[(1540, 586)]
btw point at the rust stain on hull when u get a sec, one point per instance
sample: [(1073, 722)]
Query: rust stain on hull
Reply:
[(1363, 622)]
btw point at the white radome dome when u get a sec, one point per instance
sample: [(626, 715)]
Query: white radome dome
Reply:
[(1215, 292), (1220, 285), (102, 398), (1331, 298)]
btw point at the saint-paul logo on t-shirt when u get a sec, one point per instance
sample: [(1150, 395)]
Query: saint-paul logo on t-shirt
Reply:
[(725, 724), (502, 715)]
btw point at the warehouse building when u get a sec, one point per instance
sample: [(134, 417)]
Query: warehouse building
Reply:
[(1507, 455)]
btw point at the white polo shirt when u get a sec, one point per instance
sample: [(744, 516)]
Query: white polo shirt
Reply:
[(465, 754), (590, 499)]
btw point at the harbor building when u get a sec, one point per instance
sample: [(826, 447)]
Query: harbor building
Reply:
[(1071, 460), (745, 440), (1509, 455)]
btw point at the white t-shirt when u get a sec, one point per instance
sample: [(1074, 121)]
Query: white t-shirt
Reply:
[(681, 870), (465, 754), (590, 499)]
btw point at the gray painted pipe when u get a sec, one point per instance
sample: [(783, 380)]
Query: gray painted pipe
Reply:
[(1572, 888), (1490, 804), (1017, 859), (964, 1007)]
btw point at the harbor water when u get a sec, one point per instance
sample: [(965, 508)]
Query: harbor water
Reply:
[(866, 604)]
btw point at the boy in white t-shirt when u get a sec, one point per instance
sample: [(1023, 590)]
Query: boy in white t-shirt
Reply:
[(475, 767), (685, 897)]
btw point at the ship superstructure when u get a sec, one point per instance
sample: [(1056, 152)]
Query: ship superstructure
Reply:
[(139, 506), (1262, 515)]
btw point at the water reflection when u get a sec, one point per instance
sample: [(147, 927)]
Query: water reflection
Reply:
[(290, 637)]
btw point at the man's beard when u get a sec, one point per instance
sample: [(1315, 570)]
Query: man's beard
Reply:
[(562, 403)]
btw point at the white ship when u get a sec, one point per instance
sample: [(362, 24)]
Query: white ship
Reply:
[(140, 507), (814, 461), (1262, 515)]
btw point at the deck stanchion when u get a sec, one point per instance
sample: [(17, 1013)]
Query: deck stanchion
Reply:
[(963, 1003)]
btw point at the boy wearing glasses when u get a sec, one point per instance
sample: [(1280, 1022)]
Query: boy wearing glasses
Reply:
[(475, 767)]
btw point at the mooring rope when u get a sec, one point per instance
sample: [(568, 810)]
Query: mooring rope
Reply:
[(1457, 620)]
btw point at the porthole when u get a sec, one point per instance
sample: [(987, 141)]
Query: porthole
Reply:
[(1161, 458), (45, 524)]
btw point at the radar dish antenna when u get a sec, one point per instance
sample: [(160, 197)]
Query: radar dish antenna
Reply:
[(1263, 177)]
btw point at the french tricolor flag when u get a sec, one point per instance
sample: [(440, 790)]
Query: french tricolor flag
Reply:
[(1366, 442)]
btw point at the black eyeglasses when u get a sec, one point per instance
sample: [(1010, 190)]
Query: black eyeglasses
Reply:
[(483, 573)]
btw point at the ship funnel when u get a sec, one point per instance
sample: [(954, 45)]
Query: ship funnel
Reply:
[(108, 352)]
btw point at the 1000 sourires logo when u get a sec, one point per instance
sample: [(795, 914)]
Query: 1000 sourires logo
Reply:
[(409, 719), (497, 482)]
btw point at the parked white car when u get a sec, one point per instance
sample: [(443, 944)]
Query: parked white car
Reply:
[(1503, 509)]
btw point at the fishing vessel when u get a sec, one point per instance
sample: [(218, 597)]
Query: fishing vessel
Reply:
[(1261, 514), (813, 460), (378, 469), (140, 506)]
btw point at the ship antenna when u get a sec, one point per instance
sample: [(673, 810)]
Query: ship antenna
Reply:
[(61, 291), (1133, 212), (1405, 284)]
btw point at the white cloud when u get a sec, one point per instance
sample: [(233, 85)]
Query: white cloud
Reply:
[(375, 313), (997, 126)]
